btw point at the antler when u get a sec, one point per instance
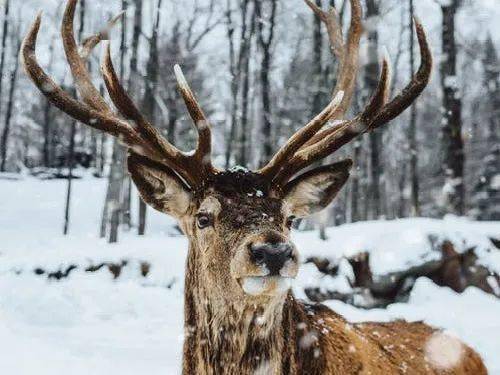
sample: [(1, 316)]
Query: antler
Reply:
[(348, 54), (133, 129), (378, 112), (316, 144), (308, 145)]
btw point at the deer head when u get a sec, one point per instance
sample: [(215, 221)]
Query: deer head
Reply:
[(238, 221)]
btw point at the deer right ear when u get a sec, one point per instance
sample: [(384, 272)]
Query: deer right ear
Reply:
[(159, 186), (314, 190)]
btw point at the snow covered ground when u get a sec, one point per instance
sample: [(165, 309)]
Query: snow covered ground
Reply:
[(92, 324)]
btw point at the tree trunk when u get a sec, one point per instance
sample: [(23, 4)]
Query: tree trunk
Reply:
[(453, 146), (173, 94), (355, 182), (10, 105), (5, 33), (244, 63), (132, 87), (235, 79), (318, 98), (47, 119), (375, 137), (412, 129), (265, 44), (72, 138), (117, 172), (69, 187), (148, 103)]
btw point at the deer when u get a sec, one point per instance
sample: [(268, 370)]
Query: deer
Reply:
[(240, 315)]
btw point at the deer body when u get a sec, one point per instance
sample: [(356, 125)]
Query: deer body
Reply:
[(287, 336), (240, 316)]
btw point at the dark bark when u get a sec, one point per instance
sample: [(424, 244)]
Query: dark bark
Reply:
[(402, 197), (375, 137), (244, 73), (4, 142), (47, 151), (265, 44), (172, 92), (317, 53), (453, 145), (71, 153), (132, 86), (234, 71), (355, 215), (5, 33), (318, 91), (412, 129), (148, 102), (117, 173)]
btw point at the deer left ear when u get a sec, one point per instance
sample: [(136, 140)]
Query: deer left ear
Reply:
[(315, 189), (159, 186)]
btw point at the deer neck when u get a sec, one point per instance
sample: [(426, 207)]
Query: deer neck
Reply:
[(224, 334)]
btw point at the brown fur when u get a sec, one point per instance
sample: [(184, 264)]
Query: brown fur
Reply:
[(307, 339), (230, 332)]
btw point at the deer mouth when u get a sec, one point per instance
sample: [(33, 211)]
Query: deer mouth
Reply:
[(265, 285)]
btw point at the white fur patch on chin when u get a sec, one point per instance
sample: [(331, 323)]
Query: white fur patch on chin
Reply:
[(266, 285)]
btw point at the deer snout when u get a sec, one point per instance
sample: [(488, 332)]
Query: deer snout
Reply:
[(271, 255)]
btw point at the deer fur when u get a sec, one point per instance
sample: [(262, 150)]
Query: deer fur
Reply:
[(230, 332)]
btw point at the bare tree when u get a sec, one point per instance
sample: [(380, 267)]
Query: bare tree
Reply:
[(412, 129), (486, 190), (133, 88), (265, 43), (5, 33), (148, 102), (375, 138), (47, 119), (4, 142), (234, 72), (453, 145), (117, 171), (247, 33), (71, 153)]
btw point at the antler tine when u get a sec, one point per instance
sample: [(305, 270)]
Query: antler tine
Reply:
[(349, 61), (332, 23), (377, 101), (142, 140), (375, 114), (348, 54), (77, 64), (177, 160), (415, 87), (204, 147), (63, 100), (89, 43), (300, 138), (128, 109)]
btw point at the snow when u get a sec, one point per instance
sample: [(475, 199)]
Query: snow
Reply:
[(91, 323), (397, 244), (495, 182), (472, 316), (451, 82)]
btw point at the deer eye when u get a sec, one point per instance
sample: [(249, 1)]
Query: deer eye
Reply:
[(203, 220), (289, 221)]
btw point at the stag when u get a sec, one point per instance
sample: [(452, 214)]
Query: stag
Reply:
[(240, 315)]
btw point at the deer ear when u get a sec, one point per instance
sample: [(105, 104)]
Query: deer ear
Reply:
[(159, 186), (315, 189)]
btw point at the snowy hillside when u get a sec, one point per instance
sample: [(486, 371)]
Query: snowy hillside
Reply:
[(90, 323)]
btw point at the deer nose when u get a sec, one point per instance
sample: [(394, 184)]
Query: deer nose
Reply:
[(271, 255)]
